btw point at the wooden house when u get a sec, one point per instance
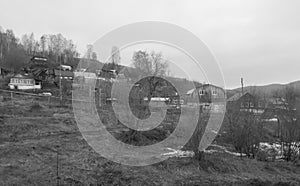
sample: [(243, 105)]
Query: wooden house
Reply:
[(206, 93), (24, 82), (246, 102)]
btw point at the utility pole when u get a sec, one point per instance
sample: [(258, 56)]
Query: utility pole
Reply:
[(1, 48), (57, 165), (1, 51), (43, 45), (60, 84), (242, 83)]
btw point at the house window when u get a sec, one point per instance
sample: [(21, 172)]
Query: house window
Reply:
[(214, 92), (251, 104), (242, 105), (246, 104), (201, 92)]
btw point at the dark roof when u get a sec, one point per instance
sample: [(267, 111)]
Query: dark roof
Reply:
[(88, 64), (23, 76), (237, 96), (203, 86), (206, 85), (63, 73), (209, 85)]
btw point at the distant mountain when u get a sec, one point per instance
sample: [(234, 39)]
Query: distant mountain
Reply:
[(267, 90)]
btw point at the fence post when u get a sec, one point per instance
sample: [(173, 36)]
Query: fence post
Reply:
[(11, 96), (99, 96), (90, 97)]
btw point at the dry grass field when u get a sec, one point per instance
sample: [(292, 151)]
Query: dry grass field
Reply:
[(40, 144)]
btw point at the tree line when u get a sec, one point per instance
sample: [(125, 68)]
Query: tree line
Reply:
[(15, 52)]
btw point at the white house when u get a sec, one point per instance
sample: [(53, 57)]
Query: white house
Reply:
[(23, 82)]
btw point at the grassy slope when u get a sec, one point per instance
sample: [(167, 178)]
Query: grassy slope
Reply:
[(28, 141)]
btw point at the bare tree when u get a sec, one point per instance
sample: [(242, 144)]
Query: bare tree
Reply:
[(28, 43), (1, 43), (15, 59), (244, 131), (89, 51), (94, 56), (150, 66), (57, 47), (43, 41), (288, 122), (12, 54), (115, 55)]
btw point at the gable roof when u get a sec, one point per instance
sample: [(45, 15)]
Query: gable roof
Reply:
[(23, 76), (88, 64), (190, 91), (203, 86), (208, 85), (63, 73), (237, 96)]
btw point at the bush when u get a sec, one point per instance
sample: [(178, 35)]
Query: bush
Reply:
[(262, 156), (36, 107)]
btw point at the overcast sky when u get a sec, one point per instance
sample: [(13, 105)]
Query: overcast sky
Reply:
[(258, 40)]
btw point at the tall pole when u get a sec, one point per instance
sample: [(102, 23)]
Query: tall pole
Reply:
[(242, 82), (43, 45), (57, 165), (57, 168), (60, 84), (1, 50)]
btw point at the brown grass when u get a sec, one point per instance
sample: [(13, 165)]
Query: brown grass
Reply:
[(28, 145)]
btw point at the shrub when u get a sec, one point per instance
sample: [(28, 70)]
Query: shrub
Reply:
[(35, 107), (262, 156)]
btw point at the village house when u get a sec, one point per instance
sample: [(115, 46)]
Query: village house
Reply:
[(278, 103), (246, 102), (208, 96), (67, 75), (24, 82), (206, 93)]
